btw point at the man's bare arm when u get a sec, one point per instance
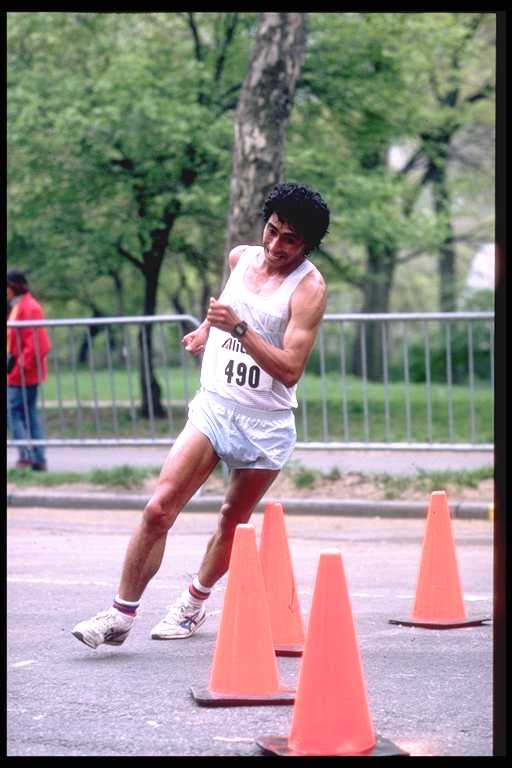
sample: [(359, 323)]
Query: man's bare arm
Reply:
[(306, 311), (195, 341)]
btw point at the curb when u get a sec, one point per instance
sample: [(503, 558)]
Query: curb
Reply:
[(462, 510)]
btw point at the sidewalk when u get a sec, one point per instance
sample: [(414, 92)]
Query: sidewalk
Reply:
[(78, 459)]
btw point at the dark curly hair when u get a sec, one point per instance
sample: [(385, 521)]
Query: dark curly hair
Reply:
[(302, 208)]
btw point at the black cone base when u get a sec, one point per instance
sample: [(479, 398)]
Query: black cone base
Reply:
[(278, 745), (288, 650), (207, 698), (471, 622)]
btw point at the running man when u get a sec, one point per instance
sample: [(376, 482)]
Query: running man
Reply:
[(256, 340)]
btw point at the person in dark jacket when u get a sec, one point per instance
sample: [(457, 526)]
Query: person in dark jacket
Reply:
[(27, 349)]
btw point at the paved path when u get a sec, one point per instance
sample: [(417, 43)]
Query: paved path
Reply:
[(77, 459), (429, 691)]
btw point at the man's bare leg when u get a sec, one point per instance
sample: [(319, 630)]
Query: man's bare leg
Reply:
[(189, 463), (245, 489)]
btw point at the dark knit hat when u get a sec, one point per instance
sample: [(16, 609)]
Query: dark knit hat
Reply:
[(17, 280)]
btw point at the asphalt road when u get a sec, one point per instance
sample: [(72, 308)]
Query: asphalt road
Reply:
[(429, 691)]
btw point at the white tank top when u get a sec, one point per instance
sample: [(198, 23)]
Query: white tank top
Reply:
[(227, 369)]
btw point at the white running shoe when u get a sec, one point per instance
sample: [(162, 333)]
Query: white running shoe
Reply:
[(181, 621), (110, 627)]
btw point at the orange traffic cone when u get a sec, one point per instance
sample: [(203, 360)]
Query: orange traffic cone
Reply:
[(244, 669), (438, 603), (283, 603), (331, 714)]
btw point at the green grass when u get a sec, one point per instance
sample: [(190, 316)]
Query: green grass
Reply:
[(323, 424), (304, 478), (178, 382), (124, 476), (427, 482), (393, 486), (330, 425), (132, 478)]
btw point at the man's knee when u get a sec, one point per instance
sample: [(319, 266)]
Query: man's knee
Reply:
[(231, 515), (157, 516)]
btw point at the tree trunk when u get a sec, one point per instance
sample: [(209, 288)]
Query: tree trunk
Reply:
[(447, 255), (151, 403), (380, 267), (89, 335), (261, 120)]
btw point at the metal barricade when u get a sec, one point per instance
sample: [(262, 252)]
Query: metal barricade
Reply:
[(400, 381), (115, 380), (373, 381)]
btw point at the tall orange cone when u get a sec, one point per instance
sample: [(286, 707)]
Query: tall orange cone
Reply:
[(244, 669), (331, 715), (276, 564), (438, 603)]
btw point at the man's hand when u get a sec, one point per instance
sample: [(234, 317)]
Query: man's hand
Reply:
[(195, 341), (221, 316)]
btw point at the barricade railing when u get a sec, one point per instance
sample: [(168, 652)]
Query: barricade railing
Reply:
[(402, 381)]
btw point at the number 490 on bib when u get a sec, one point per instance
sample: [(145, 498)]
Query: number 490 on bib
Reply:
[(242, 374)]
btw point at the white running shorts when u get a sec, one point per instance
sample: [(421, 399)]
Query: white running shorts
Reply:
[(244, 438)]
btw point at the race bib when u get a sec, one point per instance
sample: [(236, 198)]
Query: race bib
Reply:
[(238, 369)]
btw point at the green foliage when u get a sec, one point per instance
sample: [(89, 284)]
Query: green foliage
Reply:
[(470, 351), (376, 81), (481, 300), (101, 159), (119, 123), (354, 77), (470, 345)]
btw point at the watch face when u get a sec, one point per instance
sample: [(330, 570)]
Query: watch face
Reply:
[(239, 329)]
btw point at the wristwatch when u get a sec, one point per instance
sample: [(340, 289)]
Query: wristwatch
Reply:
[(239, 329)]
